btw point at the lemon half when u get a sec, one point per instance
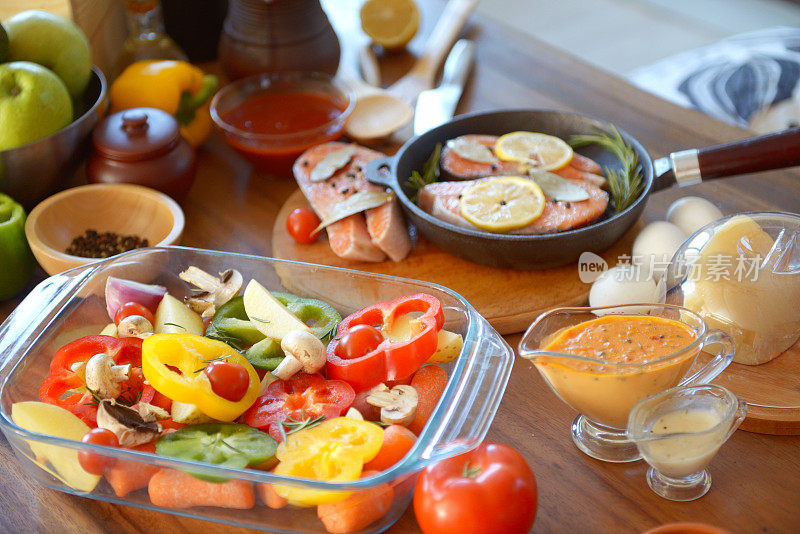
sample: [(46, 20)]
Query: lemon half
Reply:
[(390, 23), (542, 151), (503, 203)]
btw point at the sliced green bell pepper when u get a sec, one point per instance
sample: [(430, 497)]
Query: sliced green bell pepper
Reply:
[(15, 254), (225, 444), (231, 325)]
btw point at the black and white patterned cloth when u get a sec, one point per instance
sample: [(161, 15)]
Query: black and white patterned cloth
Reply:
[(751, 79)]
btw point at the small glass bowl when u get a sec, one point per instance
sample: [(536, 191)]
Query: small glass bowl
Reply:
[(696, 422), (275, 153)]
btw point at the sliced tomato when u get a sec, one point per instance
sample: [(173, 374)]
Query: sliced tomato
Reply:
[(302, 397)]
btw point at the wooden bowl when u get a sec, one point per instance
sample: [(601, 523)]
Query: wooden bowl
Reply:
[(122, 208)]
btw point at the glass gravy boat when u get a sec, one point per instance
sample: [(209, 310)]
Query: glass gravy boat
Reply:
[(604, 392), (679, 431)]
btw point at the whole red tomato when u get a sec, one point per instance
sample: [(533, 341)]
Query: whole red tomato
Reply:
[(301, 224), (485, 491), (228, 380), (93, 463)]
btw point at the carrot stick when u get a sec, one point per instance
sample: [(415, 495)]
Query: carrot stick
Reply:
[(269, 497), (171, 488), (126, 475), (397, 441), (429, 382), (358, 510)]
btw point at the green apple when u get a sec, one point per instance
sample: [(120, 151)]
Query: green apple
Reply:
[(3, 44), (54, 42), (34, 103)]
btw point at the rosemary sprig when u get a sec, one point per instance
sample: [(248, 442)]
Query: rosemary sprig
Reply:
[(234, 342), (175, 325), (295, 425), (429, 175), (626, 184)]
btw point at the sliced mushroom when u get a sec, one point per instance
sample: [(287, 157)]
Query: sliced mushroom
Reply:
[(126, 423), (103, 376), (303, 351), (213, 292), (150, 412), (398, 405), (134, 326)]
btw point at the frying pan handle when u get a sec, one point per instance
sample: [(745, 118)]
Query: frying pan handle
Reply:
[(773, 151), (380, 171)]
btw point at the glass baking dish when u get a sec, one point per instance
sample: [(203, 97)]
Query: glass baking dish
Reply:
[(70, 305)]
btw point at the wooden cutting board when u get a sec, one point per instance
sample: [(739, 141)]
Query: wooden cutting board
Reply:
[(772, 392), (510, 300)]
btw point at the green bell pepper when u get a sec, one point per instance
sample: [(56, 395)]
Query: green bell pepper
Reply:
[(225, 444), (232, 326), (15, 254)]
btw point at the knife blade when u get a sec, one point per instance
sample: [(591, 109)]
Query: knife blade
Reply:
[(436, 106)]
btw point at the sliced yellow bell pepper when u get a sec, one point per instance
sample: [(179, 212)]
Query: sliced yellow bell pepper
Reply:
[(191, 354), (176, 87), (334, 451)]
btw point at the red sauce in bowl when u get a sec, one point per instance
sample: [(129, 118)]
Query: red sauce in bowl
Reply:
[(287, 113), (273, 129)]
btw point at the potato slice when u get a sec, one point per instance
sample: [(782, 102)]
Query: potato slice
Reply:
[(55, 421), (267, 313), (175, 317)]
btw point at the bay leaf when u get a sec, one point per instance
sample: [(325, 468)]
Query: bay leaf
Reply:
[(469, 149), (556, 187), (363, 200), (331, 163)]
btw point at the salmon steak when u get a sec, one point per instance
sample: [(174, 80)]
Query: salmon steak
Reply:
[(443, 201), (368, 236), (459, 168)]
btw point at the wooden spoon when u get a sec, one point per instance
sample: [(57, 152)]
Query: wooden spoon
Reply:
[(423, 73)]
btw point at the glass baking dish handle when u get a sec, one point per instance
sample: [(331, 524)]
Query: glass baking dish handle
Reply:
[(35, 314), (465, 417)]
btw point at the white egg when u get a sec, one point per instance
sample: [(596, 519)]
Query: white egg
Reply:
[(655, 245), (625, 284), (692, 213)]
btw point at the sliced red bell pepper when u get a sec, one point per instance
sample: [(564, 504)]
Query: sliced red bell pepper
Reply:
[(124, 351), (62, 379), (300, 398), (390, 360), (54, 391)]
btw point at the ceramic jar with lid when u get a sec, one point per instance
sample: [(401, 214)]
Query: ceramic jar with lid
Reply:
[(143, 146)]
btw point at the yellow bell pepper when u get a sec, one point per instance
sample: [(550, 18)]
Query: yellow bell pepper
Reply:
[(176, 87), (334, 451), (191, 354)]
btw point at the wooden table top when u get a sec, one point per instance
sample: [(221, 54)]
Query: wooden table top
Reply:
[(756, 484)]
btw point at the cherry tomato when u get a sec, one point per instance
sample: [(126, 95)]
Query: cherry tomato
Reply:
[(358, 341), (485, 491), (228, 380), (133, 308), (94, 463), (301, 224)]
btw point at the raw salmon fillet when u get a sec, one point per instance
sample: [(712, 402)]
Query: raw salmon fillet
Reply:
[(369, 236), (441, 199), (458, 168)]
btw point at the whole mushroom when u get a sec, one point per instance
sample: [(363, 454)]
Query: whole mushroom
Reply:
[(303, 352)]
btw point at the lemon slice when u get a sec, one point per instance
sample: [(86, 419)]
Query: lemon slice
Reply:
[(502, 204), (539, 150), (390, 23)]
